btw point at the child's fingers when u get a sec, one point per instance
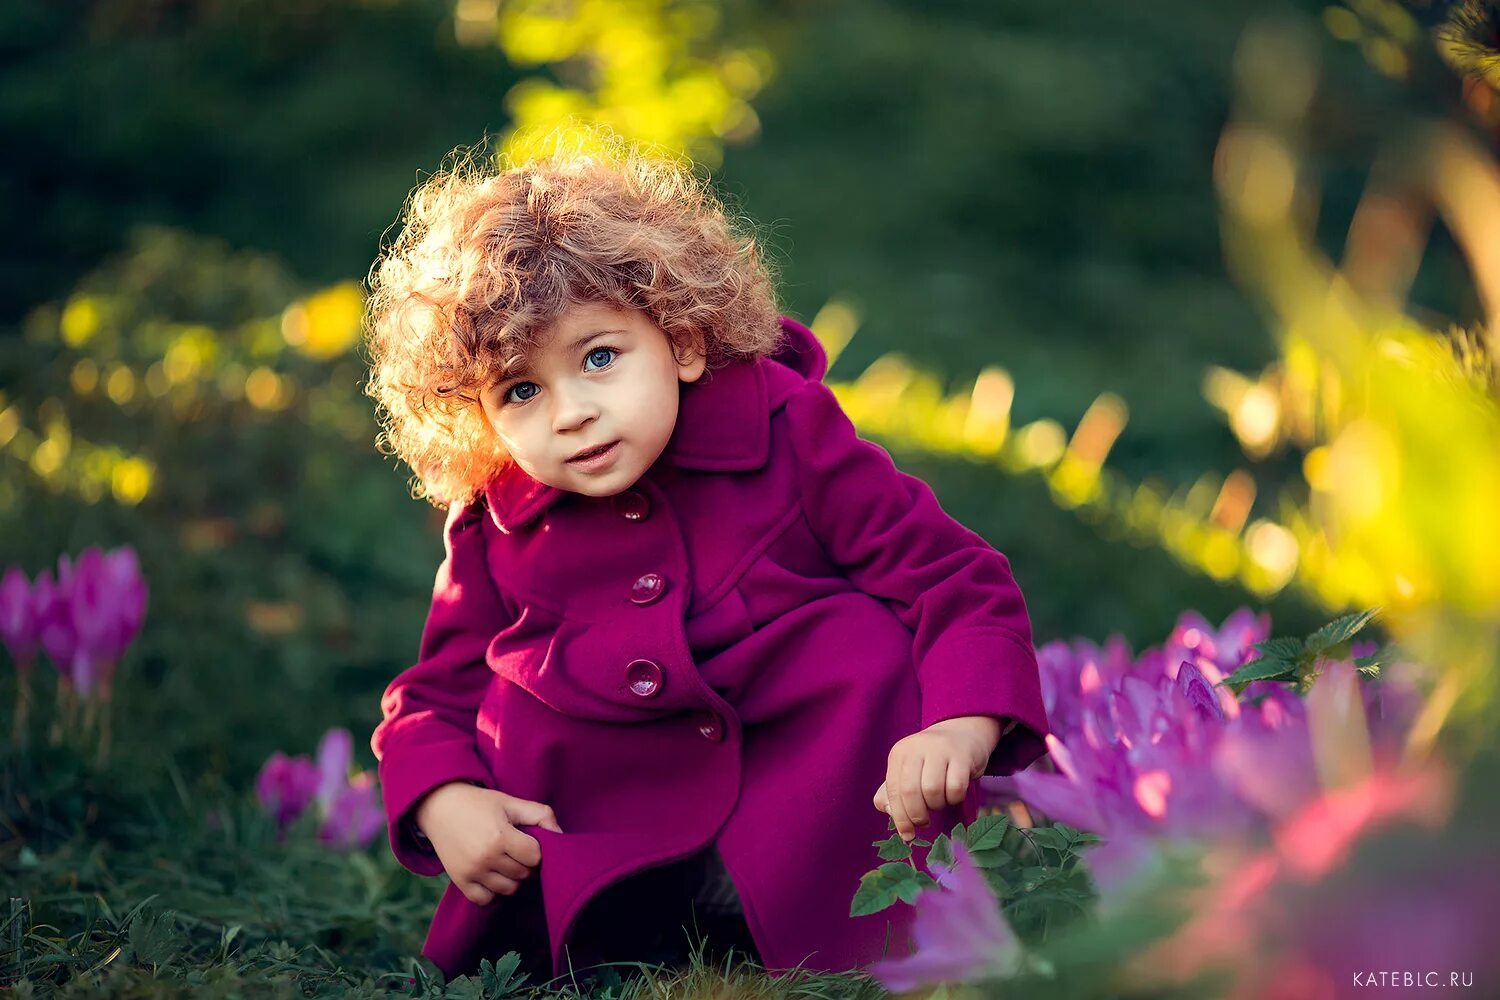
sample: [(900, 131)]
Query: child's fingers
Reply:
[(896, 804), (524, 812), (881, 800), (912, 802), (476, 893), (499, 884), (523, 847), (935, 781), (510, 867), (958, 782), (903, 823)]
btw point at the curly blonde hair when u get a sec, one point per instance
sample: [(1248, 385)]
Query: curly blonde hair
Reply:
[(487, 258)]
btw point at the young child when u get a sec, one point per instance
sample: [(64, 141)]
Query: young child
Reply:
[(693, 640)]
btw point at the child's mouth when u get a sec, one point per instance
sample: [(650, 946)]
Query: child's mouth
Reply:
[(595, 456)]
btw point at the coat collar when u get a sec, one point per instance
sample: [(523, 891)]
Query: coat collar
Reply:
[(723, 425)]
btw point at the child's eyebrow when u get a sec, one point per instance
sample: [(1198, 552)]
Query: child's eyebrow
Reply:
[(518, 365), (584, 338)]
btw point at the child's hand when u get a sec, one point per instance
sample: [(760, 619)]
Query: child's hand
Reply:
[(932, 768), (473, 830)]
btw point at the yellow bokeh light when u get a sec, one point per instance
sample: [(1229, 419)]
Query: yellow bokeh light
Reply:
[(48, 457), (1255, 172), (327, 324), (84, 377), (1256, 419), (1341, 23), (120, 385), (80, 321), (1315, 469), (266, 390), (131, 480), (10, 423), (987, 421), (1274, 549), (835, 325), (157, 382), (1041, 443)]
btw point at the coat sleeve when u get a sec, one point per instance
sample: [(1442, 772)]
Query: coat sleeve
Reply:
[(428, 735), (972, 641)]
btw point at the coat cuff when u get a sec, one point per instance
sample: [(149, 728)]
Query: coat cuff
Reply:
[(405, 778), (987, 672)]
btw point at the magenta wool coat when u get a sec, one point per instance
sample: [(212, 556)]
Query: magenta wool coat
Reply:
[(723, 654)]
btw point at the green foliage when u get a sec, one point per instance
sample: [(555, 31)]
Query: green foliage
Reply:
[(1036, 873), (1296, 660)]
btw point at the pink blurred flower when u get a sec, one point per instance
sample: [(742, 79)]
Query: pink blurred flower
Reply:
[(286, 786), (18, 623), (88, 617), (959, 933), (335, 755), (54, 620), (350, 809), (356, 815)]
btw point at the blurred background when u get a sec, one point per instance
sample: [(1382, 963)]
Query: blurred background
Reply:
[(1005, 218)]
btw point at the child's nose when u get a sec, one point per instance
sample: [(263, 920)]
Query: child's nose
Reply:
[(572, 409)]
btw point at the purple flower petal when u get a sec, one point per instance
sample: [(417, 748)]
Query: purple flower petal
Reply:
[(959, 932), (335, 754), (356, 815), (18, 624), (286, 786), (54, 622)]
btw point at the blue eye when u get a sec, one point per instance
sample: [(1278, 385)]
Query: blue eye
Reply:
[(600, 357), (515, 394)]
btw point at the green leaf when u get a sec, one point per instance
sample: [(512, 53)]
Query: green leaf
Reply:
[(465, 988), (1034, 876), (1285, 648), (153, 939), (1340, 630), (986, 832), (991, 857), (875, 893), (998, 883), (941, 852), (919, 842), (500, 980), (909, 888), (1046, 836), (893, 848), (1260, 670)]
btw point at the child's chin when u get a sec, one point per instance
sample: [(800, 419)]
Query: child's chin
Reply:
[(610, 484)]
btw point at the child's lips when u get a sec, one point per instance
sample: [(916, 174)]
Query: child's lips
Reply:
[(597, 457)]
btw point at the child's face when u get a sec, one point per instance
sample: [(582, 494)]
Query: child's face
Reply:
[(599, 376)]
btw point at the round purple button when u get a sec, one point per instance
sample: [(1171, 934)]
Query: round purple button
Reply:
[(633, 505), (643, 678), (711, 727), (647, 589)]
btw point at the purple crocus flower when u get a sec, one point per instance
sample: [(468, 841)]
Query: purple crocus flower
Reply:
[(1137, 765), (356, 815), (18, 624), (54, 620), (335, 754), (350, 809), (286, 786), (88, 617), (959, 932), (107, 603)]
